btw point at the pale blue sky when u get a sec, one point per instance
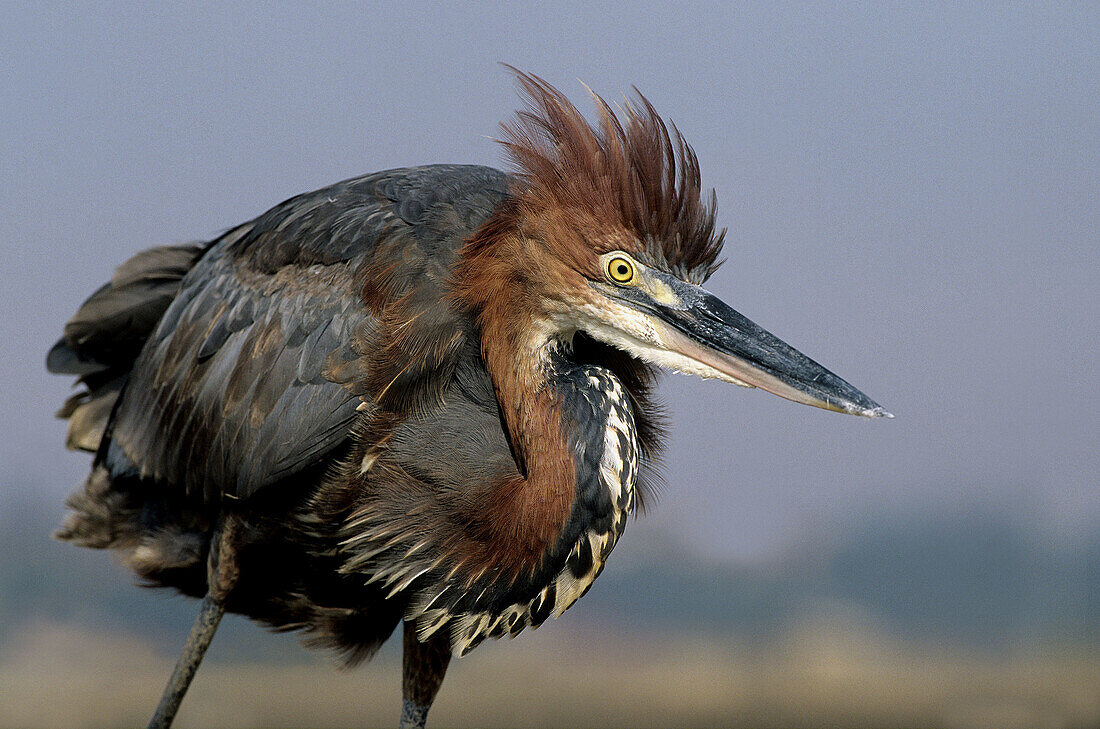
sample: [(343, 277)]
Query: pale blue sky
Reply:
[(912, 193)]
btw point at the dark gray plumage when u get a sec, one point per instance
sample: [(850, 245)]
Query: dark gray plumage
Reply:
[(239, 358)]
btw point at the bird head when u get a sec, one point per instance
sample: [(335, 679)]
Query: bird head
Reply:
[(607, 233)]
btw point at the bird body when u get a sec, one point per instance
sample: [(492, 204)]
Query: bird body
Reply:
[(266, 332), (422, 394)]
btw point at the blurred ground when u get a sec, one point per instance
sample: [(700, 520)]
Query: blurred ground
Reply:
[(817, 676), (956, 622)]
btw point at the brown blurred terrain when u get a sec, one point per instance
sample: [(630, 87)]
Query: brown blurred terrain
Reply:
[(961, 621), (819, 675)]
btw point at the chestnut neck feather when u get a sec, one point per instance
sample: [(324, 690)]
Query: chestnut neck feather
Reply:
[(516, 337)]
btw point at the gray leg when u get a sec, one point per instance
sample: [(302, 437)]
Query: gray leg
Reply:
[(413, 716), (221, 576), (424, 666), (210, 614)]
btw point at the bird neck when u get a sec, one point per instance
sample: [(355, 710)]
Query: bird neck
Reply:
[(547, 410), (517, 338), (572, 429), (518, 354)]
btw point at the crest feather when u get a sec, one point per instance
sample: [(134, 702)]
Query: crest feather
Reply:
[(637, 172)]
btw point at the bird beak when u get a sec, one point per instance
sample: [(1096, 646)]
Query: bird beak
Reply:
[(695, 324)]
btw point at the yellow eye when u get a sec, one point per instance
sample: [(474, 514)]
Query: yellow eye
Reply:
[(620, 270)]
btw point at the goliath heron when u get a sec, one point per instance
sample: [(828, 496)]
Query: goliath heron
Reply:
[(420, 395)]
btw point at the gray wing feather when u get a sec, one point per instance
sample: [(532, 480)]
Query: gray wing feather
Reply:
[(235, 390), (104, 337), (229, 394)]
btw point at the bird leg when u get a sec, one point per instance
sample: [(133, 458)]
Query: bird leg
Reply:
[(424, 666), (222, 571)]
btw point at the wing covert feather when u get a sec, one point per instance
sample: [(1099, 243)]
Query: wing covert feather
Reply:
[(254, 373)]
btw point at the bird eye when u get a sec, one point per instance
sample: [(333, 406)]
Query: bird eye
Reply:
[(620, 270)]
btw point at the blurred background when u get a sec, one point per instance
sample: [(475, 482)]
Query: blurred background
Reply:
[(913, 199)]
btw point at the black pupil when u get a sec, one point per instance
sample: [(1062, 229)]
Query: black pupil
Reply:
[(622, 270)]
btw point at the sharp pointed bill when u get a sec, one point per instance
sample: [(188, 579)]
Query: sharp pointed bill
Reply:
[(691, 330)]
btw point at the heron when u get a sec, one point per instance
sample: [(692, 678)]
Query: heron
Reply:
[(422, 396)]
